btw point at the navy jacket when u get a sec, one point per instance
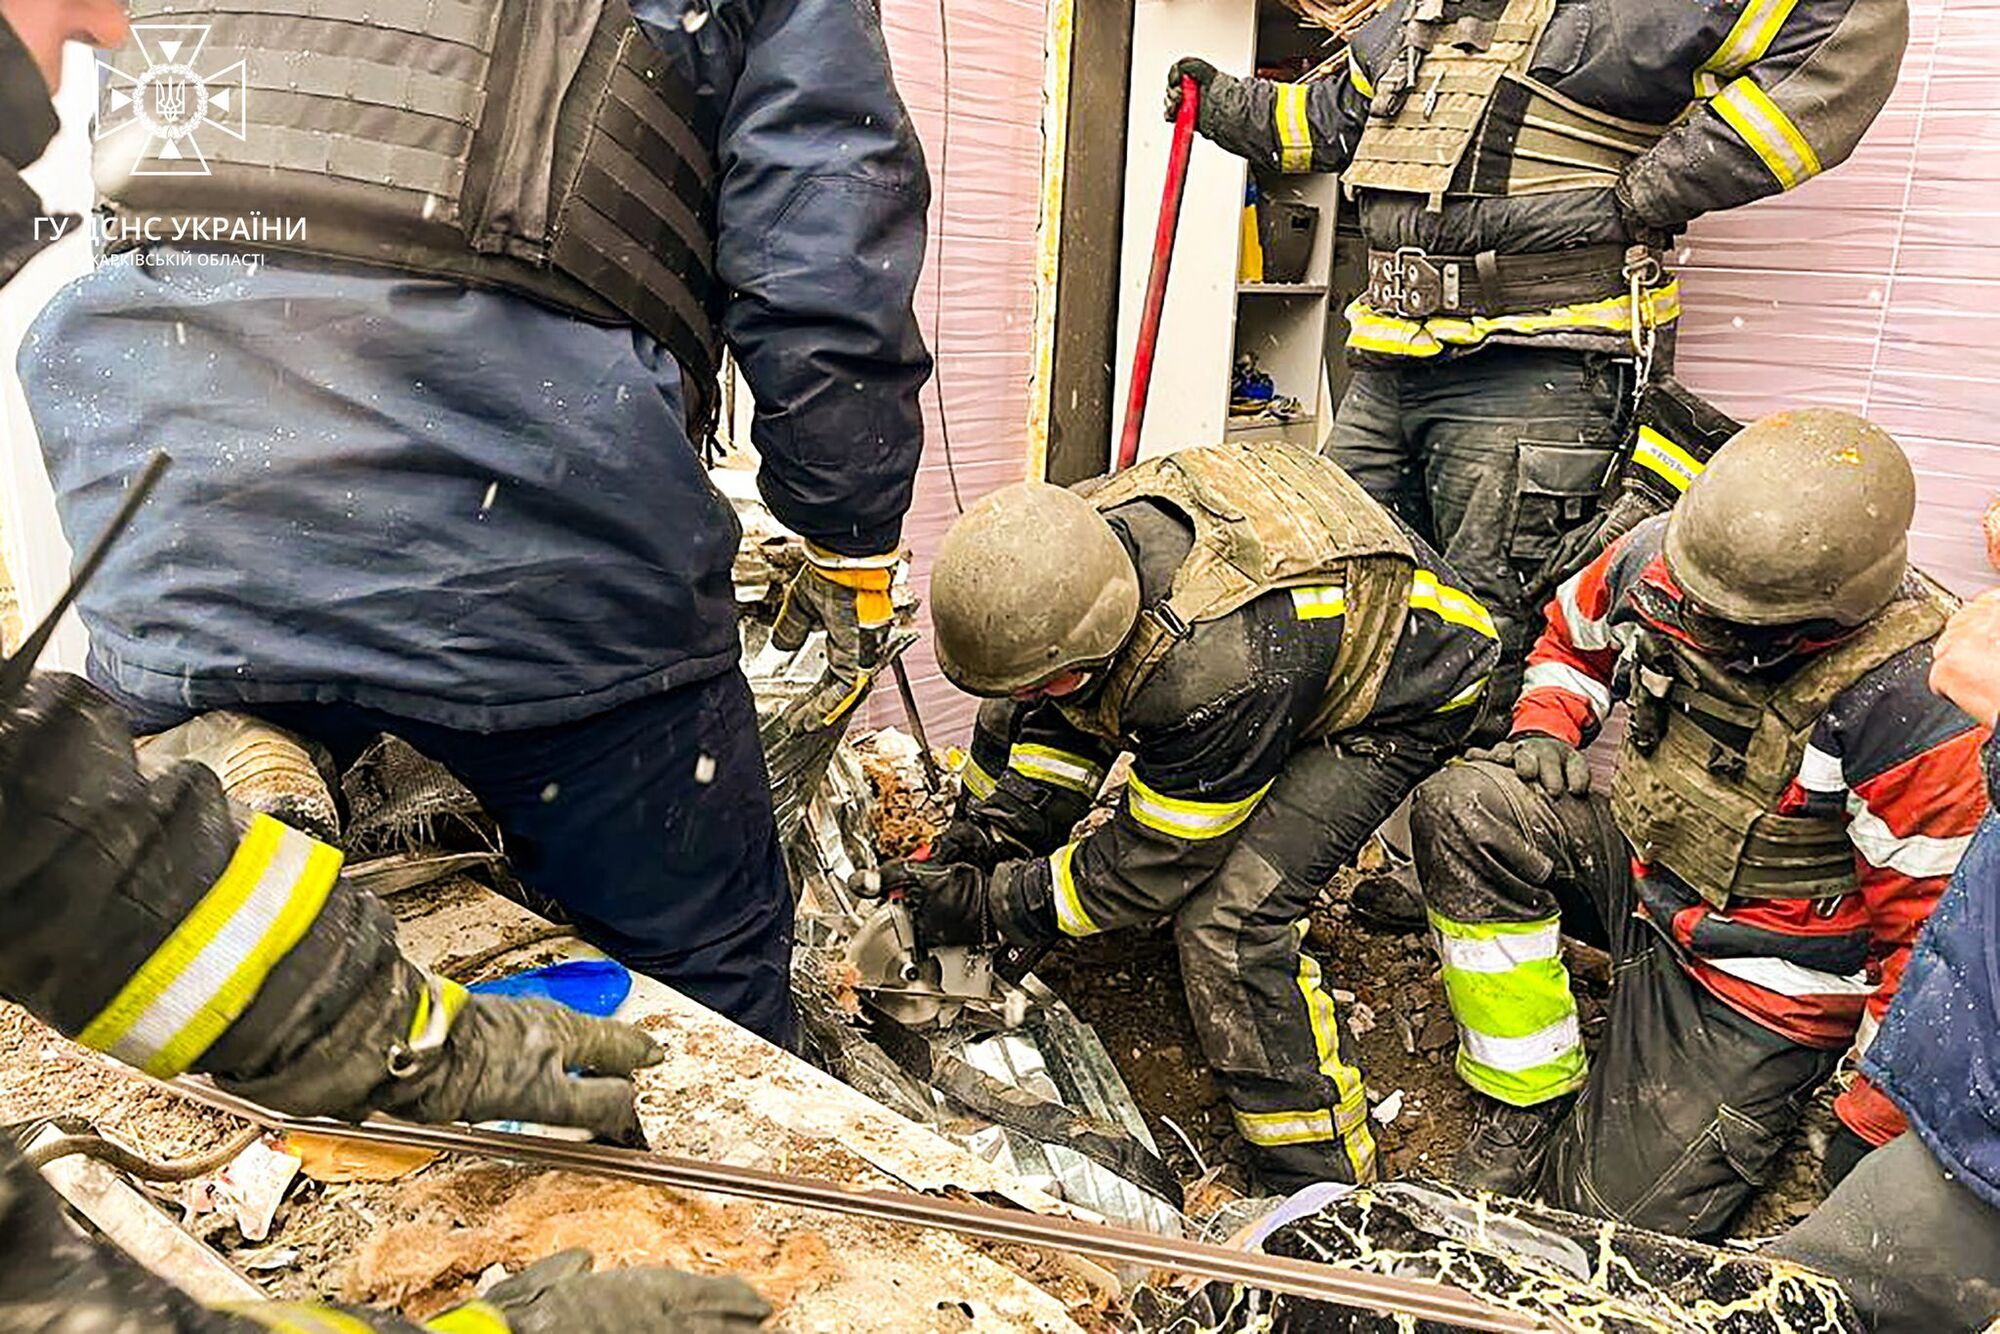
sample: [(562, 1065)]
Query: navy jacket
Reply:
[(467, 508), (1937, 1055)]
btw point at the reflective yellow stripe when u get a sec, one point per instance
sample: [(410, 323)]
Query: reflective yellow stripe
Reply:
[(1369, 330), (1183, 818), (1358, 76), (1351, 1116), (1656, 453), (1071, 918), (1058, 768), (1769, 132), (205, 974), (977, 781), (1274, 1130), (471, 1318), (1756, 28), (1427, 594), (1318, 602), (299, 1318), (1295, 145), (1465, 698)]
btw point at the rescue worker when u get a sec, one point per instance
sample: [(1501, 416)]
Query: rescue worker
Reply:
[(438, 386), (1284, 661), (1519, 169), (1787, 805), (1915, 1229), (144, 916)]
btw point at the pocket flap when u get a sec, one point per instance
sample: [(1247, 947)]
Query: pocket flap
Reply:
[(1549, 468)]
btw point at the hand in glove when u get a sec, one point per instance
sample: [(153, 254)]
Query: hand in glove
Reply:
[(1190, 67), (424, 1049), (848, 597), (559, 1295), (970, 843), (1538, 758), (964, 905)]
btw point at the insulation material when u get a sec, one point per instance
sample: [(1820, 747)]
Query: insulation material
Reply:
[(1876, 287), (971, 73)]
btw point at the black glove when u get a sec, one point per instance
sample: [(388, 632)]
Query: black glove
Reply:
[(1844, 1152), (1192, 67), (970, 843), (1585, 543), (1638, 231), (1538, 758), (422, 1049), (964, 905), (559, 1295)]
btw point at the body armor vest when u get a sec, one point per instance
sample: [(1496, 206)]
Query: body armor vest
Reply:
[(1457, 113), (1265, 517), (1709, 753), (548, 150)]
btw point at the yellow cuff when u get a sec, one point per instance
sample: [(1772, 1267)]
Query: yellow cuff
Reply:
[(471, 1318)]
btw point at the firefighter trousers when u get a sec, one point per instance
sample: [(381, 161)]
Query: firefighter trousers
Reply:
[(1261, 1005), (1491, 457), (1686, 1103)]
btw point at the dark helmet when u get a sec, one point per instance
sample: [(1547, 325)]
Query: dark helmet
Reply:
[(1030, 582), (1802, 516)]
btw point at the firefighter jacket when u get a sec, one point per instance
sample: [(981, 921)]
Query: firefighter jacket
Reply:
[(1208, 730), (469, 499), (1638, 118), (1895, 763), (27, 123), (1937, 1056), (146, 918)]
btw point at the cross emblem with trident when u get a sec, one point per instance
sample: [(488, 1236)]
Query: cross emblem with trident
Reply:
[(170, 99)]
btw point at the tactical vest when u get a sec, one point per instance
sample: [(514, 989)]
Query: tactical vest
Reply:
[(1265, 517), (1709, 753), (548, 150), (1456, 113)]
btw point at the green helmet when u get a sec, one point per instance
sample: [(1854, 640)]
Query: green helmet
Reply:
[(1801, 516), (1030, 582)]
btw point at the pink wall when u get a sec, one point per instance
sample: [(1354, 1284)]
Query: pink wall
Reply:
[(977, 298), (1877, 287)]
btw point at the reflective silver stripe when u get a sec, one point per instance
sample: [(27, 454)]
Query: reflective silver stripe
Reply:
[(1182, 817), (1514, 1055), (1562, 676), (1273, 1130), (1821, 772), (1295, 149), (1916, 855), (1315, 602), (1058, 768), (977, 781), (1770, 133), (1584, 632), (1661, 456), (1500, 952), (1789, 979)]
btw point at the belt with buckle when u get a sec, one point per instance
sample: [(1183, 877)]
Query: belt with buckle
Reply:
[(1412, 283)]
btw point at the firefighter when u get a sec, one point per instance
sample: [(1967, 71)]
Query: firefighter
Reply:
[(144, 916), (1787, 805), (433, 340), (1915, 1229), (1519, 169), (1285, 662)]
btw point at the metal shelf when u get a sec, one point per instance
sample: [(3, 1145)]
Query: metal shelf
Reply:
[(1281, 289)]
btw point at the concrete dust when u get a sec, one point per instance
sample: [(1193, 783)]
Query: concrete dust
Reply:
[(455, 1225)]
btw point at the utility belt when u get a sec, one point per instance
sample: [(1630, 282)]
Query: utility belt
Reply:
[(1414, 284)]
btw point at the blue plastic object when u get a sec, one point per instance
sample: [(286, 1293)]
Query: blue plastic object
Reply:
[(589, 986)]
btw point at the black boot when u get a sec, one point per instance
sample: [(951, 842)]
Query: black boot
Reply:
[(1508, 1145)]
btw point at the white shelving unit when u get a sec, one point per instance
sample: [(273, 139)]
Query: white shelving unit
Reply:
[(1210, 316)]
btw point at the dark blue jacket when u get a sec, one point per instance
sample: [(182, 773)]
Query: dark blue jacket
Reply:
[(462, 506), (1938, 1053)]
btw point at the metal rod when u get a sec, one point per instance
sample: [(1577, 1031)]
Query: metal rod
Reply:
[(14, 671), (1299, 1278), (1156, 282), (916, 722)]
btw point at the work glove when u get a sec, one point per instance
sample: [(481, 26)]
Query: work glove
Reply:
[(560, 1295), (1190, 67), (1536, 757), (1586, 542), (971, 843), (847, 597), (424, 1049), (964, 905)]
